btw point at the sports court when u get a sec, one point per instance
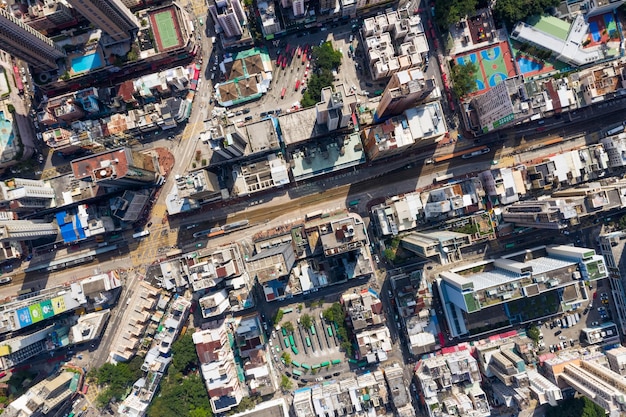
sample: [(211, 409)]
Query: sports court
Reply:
[(602, 28), (494, 65), (166, 29)]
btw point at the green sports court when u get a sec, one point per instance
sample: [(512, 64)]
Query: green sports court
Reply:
[(166, 29)]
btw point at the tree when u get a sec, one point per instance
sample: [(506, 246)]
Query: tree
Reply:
[(512, 11), (533, 333), (285, 383), (306, 320), (449, 12), (182, 397), (576, 407), (286, 357), (326, 57), (11, 108), (463, 78), (278, 317), (184, 353), (288, 326)]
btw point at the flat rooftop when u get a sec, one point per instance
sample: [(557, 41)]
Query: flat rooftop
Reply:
[(327, 158)]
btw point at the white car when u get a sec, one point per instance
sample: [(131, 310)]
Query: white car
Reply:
[(5, 280)]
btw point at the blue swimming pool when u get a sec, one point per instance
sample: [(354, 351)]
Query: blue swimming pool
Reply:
[(528, 65), (6, 131), (86, 63)]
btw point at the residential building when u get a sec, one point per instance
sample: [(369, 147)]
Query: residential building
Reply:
[(214, 304), (601, 82), (591, 378), (343, 235), (615, 147), (48, 394), (563, 39), (121, 167), (503, 185), (398, 214), (49, 15), (27, 44), (489, 295), (612, 245), (605, 334), (364, 309), (374, 343), (397, 385), (271, 263), (219, 371), (228, 17), (592, 8), (253, 177), (617, 359), (394, 41), (21, 230), (270, 23), (500, 106), (453, 200), (111, 16), (25, 195), (443, 246), (334, 111), (405, 90), (450, 385), (202, 185), (416, 127)]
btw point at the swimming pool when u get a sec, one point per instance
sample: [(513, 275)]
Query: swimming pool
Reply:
[(6, 130), (86, 63), (528, 65)]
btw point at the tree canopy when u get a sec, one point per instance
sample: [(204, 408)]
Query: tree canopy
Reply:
[(306, 320), (576, 407), (184, 354), (512, 11), (325, 59), (182, 397), (463, 78), (449, 12), (533, 333), (116, 379)]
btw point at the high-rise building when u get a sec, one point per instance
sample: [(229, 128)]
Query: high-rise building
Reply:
[(612, 247), (20, 230), (111, 16), (404, 90), (229, 16), (298, 7), (49, 14), (120, 167), (25, 43)]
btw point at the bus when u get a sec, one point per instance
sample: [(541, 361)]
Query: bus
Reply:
[(284, 332), (313, 330), (443, 178), (308, 342), (613, 131), (282, 93), (305, 366), (314, 214), (330, 331), (316, 366), (294, 350), (297, 373), (286, 341), (141, 234), (336, 361), (296, 364), (297, 84), (326, 363), (287, 310), (291, 340), (353, 203)]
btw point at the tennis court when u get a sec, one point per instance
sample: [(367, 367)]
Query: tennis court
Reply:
[(166, 30), (494, 65), (602, 28)]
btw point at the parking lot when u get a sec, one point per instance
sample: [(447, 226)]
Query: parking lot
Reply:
[(564, 330), (289, 67), (314, 351)]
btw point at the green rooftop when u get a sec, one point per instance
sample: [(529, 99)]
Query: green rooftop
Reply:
[(552, 26)]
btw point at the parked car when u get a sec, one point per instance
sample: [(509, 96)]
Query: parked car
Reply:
[(5, 280), (595, 323)]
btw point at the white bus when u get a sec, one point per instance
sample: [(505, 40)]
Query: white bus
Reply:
[(614, 130), (141, 234)]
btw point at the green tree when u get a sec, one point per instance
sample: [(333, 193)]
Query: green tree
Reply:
[(533, 333), (181, 396), (285, 383), (512, 11), (287, 325), (306, 320), (449, 12), (278, 317), (326, 57), (11, 108), (463, 79), (200, 412), (286, 357), (184, 353), (576, 407)]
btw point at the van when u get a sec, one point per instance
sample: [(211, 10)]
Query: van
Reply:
[(351, 38)]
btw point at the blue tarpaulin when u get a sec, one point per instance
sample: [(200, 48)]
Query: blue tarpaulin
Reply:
[(69, 233)]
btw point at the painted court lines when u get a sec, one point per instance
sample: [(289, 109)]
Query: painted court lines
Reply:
[(494, 65)]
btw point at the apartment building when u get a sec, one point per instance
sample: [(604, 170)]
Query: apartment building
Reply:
[(49, 15), (27, 44), (405, 90), (111, 16), (215, 351), (228, 17), (450, 385), (121, 167), (25, 195), (364, 308), (612, 245)]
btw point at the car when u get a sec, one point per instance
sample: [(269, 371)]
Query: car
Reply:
[(337, 374), (5, 280), (319, 378), (601, 309), (572, 342), (246, 110), (594, 323), (328, 376), (263, 114), (288, 374), (248, 118), (558, 332), (304, 380), (429, 161), (238, 113), (562, 337)]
